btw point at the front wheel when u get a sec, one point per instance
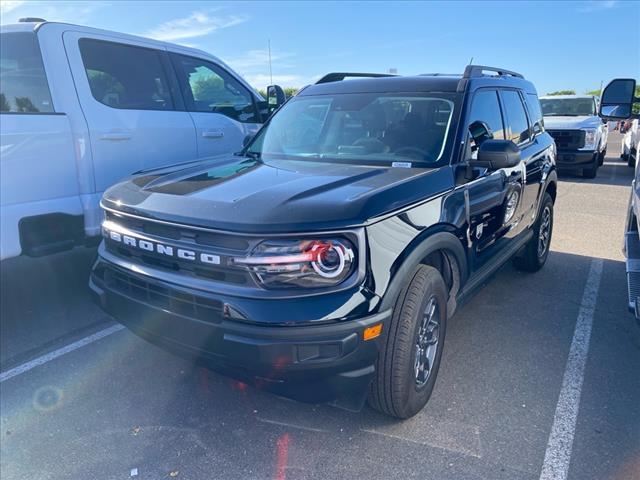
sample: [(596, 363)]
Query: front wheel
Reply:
[(631, 158), (409, 358), (535, 252)]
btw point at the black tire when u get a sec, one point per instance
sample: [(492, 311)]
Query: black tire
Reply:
[(397, 390), (591, 172), (531, 259), (601, 157), (631, 158)]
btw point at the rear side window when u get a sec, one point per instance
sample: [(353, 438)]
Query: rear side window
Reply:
[(516, 117), (209, 88), (124, 76), (23, 83), (535, 113)]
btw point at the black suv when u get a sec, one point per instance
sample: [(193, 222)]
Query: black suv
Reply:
[(323, 261)]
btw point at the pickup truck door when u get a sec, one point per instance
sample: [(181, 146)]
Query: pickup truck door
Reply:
[(223, 108), (129, 97)]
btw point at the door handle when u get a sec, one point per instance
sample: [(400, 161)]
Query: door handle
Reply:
[(115, 136), (212, 133)]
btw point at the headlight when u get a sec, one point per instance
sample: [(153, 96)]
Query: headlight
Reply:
[(589, 139), (308, 263)]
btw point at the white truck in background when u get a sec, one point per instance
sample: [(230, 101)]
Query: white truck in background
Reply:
[(580, 135), (630, 141), (81, 108)]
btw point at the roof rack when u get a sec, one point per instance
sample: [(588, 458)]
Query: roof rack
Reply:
[(478, 71), (31, 20), (339, 76), (439, 75)]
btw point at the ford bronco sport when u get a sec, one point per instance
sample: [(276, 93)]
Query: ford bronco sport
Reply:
[(323, 261)]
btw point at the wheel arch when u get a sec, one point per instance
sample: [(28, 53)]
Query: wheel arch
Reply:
[(439, 247)]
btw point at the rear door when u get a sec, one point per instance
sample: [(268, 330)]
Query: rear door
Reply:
[(533, 151), (131, 103), (223, 109)]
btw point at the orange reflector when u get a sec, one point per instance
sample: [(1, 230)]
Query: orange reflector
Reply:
[(372, 332)]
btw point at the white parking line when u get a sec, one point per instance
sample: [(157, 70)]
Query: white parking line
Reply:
[(25, 367), (558, 454)]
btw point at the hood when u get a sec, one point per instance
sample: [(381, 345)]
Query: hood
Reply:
[(253, 196), (572, 123)]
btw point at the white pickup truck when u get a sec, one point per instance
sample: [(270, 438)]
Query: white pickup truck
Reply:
[(580, 135), (81, 108)]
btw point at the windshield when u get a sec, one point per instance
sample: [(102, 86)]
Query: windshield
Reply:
[(555, 107), (359, 127)]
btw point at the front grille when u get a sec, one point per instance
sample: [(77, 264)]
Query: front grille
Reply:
[(160, 296), (223, 245), (568, 139)]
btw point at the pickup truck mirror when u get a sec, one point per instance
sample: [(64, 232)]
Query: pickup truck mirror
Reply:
[(275, 97), (496, 154), (618, 98)]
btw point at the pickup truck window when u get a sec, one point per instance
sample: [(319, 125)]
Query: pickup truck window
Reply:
[(568, 107), (209, 88), (125, 76), (516, 117), (23, 83)]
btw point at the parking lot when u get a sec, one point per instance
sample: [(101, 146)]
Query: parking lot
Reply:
[(117, 407)]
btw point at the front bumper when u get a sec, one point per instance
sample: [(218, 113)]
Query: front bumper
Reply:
[(328, 362), (576, 158)]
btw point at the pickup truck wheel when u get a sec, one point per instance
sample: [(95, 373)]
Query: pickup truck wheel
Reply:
[(631, 158), (411, 349), (591, 172), (601, 157), (535, 253)]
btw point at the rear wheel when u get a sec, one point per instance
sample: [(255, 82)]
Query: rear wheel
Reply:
[(535, 253), (410, 356)]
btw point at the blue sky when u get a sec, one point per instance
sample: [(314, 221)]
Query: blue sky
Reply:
[(557, 45)]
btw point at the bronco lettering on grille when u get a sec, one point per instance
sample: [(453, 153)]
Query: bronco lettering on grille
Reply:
[(167, 250)]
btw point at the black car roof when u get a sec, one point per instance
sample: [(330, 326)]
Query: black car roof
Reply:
[(418, 83)]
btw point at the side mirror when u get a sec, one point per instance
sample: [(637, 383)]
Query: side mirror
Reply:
[(480, 132), (275, 97), (618, 98), (496, 154)]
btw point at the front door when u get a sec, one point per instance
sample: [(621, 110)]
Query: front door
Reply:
[(493, 198), (131, 109)]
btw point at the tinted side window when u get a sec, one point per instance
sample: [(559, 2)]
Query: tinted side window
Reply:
[(485, 111), (485, 108), (535, 112), (23, 83), (516, 116), (124, 76), (209, 88)]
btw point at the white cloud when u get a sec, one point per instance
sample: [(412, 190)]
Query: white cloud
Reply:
[(259, 59), (261, 80), (197, 24), (596, 6), (8, 5)]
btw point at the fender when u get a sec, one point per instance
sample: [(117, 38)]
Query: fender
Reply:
[(413, 255)]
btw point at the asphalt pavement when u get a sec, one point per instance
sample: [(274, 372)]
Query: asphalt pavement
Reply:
[(540, 372)]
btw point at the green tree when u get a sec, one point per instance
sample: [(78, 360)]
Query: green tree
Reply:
[(206, 88), (595, 93), (288, 91), (4, 105), (24, 104), (563, 92)]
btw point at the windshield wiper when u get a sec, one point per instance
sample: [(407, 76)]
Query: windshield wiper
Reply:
[(254, 155)]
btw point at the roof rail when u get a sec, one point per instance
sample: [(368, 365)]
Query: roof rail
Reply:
[(472, 71), (31, 20), (439, 75), (339, 76)]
